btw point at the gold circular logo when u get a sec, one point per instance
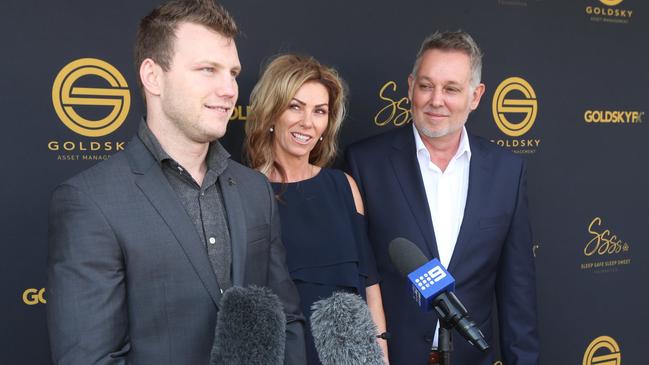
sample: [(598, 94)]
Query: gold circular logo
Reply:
[(610, 2), (66, 96), (609, 354), (502, 106)]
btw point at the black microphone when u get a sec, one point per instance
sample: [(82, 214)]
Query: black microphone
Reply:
[(343, 331), (432, 288), (250, 328)]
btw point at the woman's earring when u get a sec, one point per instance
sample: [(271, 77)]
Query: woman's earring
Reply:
[(321, 138), (271, 130)]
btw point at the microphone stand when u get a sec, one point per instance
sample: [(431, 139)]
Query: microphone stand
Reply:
[(445, 342)]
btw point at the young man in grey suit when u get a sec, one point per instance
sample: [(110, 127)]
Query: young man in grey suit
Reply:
[(143, 245)]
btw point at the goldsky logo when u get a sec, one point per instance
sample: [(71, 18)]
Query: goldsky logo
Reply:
[(66, 95), (33, 296), (89, 86), (515, 108), (618, 117), (609, 13), (603, 350), (605, 251), (396, 110)]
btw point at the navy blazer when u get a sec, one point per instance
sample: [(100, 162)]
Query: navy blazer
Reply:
[(492, 259)]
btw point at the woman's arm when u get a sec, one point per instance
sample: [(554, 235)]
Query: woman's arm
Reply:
[(372, 292)]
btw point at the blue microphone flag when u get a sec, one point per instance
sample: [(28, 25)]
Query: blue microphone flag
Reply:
[(429, 281)]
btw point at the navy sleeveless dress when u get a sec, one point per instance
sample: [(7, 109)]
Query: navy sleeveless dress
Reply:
[(327, 249)]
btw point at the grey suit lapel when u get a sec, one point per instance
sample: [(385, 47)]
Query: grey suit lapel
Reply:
[(236, 223), (154, 185), (406, 169), (478, 189)]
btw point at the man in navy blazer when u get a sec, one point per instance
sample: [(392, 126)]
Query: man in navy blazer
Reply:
[(457, 197)]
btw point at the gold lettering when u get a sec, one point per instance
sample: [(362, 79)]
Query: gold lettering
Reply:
[(33, 296), (238, 113), (612, 13), (69, 146), (391, 108), (587, 251), (606, 242), (603, 243), (613, 116), (403, 117)]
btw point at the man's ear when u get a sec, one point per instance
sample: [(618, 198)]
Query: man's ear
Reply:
[(151, 76), (477, 94), (411, 84)]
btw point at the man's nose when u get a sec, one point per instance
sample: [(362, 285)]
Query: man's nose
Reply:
[(227, 87)]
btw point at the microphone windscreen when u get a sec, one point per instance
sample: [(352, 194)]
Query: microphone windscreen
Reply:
[(343, 331), (406, 256), (250, 328)]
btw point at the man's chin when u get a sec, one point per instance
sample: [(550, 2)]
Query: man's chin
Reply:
[(209, 136), (216, 133), (432, 133)]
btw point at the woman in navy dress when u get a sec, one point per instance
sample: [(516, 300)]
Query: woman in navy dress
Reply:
[(297, 108)]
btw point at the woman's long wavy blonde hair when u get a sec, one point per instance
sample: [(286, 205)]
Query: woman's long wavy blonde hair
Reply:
[(271, 96)]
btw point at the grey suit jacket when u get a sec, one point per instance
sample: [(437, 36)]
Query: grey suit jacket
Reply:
[(129, 278)]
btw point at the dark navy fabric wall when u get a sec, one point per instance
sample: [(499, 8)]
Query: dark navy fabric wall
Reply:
[(565, 83)]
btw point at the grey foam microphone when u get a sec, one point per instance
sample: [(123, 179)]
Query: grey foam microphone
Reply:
[(343, 331), (250, 328)]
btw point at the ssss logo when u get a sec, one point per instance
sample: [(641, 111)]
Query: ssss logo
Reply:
[(514, 106), (33, 296), (602, 351), (69, 95), (603, 241), (396, 109), (606, 251)]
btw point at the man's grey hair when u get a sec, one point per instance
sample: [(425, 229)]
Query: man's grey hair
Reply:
[(453, 41)]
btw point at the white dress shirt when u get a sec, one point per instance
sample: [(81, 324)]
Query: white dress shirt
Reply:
[(446, 194)]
